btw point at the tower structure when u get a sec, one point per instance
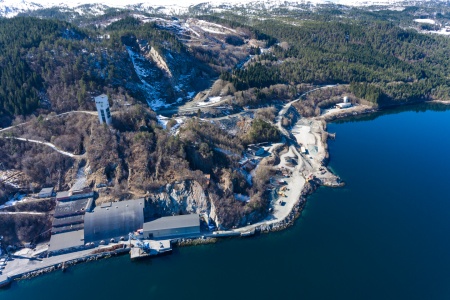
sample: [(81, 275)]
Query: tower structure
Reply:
[(104, 114)]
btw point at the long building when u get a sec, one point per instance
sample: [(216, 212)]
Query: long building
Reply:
[(68, 222), (175, 226)]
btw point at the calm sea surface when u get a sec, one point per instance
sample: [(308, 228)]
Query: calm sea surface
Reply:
[(385, 235)]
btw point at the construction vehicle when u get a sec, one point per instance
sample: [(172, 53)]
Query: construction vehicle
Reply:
[(144, 246)]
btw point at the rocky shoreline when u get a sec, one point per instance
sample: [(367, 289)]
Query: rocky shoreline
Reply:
[(194, 241), (311, 187), (295, 212)]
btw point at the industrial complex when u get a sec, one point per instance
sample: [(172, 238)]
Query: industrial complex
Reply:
[(78, 224)]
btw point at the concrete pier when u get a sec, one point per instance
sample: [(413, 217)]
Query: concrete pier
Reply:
[(156, 248)]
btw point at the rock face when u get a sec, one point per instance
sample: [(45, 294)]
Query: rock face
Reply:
[(186, 197), (159, 61)]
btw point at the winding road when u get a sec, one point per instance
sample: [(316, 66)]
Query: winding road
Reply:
[(286, 107), (47, 144), (54, 147), (51, 117)]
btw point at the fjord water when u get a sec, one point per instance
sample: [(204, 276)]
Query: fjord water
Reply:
[(385, 235)]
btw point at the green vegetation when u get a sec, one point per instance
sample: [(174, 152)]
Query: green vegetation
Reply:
[(54, 65), (262, 131), (127, 29), (20, 85), (384, 63)]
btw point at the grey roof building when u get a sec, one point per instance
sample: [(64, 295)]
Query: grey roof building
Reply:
[(255, 150), (66, 240), (46, 192), (113, 220), (171, 227)]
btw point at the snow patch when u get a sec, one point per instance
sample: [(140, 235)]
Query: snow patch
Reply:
[(212, 100), (10, 8), (153, 99), (176, 128), (162, 121), (425, 21), (13, 201)]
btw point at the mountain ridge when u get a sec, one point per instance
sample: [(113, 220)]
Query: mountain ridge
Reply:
[(11, 8)]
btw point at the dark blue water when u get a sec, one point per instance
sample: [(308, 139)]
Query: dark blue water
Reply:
[(385, 235)]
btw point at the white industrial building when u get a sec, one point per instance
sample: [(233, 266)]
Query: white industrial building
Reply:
[(104, 113), (174, 226), (345, 104)]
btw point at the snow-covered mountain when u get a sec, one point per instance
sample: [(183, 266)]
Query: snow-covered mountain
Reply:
[(10, 8)]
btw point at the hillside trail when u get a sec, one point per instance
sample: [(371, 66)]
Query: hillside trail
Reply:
[(54, 147)]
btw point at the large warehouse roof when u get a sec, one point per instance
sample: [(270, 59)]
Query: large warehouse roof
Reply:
[(173, 222), (113, 220), (66, 240)]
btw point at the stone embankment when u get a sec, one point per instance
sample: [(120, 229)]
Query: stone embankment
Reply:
[(69, 263), (194, 241)]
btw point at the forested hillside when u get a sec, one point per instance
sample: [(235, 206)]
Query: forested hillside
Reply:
[(384, 63), (20, 84), (53, 65)]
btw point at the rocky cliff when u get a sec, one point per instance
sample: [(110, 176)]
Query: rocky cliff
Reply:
[(159, 61), (185, 197)]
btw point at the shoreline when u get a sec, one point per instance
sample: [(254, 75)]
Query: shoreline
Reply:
[(309, 189), (264, 226)]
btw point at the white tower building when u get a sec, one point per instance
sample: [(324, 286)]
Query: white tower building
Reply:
[(104, 114)]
